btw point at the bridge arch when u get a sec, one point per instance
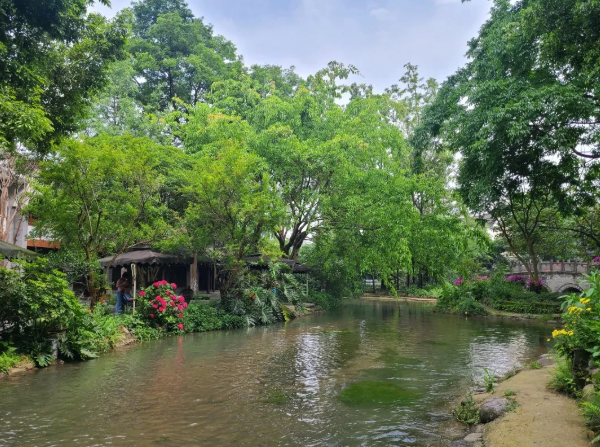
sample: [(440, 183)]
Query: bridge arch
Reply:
[(570, 288)]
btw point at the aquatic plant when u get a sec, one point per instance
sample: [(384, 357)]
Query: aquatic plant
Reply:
[(489, 380), (467, 412), (376, 393)]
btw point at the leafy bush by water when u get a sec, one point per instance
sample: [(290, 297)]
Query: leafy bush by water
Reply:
[(8, 357), (467, 411), (459, 300)]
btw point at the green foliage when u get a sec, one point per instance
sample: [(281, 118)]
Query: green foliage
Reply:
[(562, 377), (8, 357), (489, 381), (535, 365), (107, 190), (591, 411), (459, 300), (201, 318), (34, 302), (324, 300), (581, 318), (376, 393), (509, 393), (53, 57), (467, 411)]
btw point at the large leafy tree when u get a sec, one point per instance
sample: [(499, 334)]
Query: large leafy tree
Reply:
[(53, 59), (234, 209), (522, 114), (176, 55), (100, 196)]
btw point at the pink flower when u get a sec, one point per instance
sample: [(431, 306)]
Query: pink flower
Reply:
[(159, 327), (173, 285), (173, 303), (180, 326), (155, 306), (163, 283), (156, 284), (161, 309), (184, 305), (181, 299), (158, 298), (142, 293), (180, 307), (180, 315), (151, 315), (168, 292)]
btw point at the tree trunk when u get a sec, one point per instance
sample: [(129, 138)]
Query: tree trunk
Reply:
[(194, 275)]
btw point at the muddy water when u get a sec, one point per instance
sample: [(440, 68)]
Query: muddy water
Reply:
[(370, 374)]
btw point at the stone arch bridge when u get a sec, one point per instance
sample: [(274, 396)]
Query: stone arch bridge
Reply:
[(564, 277)]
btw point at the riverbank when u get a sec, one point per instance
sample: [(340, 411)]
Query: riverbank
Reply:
[(554, 319), (126, 331), (542, 417)]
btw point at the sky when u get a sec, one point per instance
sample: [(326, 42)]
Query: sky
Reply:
[(377, 36)]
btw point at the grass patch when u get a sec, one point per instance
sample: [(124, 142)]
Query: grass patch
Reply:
[(509, 393), (377, 393), (535, 365)]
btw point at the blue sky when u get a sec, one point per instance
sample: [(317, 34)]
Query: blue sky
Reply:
[(377, 36)]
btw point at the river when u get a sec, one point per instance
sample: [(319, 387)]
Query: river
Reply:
[(369, 374)]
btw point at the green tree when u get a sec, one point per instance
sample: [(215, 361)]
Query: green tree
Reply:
[(100, 196), (176, 55), (234, 209), (53, 59), (521, 116)]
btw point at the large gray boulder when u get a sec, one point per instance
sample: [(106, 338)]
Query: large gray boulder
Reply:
[(493, 408)]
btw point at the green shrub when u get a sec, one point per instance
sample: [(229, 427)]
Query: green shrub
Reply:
[(562, 377), (459, 300), (467, 412), (591, 411), (36, 302), (527, 307), (201, 318), (8, 357), (324, 300), (233, 321)]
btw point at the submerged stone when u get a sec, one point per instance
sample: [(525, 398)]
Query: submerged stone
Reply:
[(377, 393)]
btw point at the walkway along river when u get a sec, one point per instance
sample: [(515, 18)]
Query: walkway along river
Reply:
[(370, 374)]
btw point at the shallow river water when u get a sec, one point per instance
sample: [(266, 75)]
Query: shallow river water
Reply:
[(370, 374)]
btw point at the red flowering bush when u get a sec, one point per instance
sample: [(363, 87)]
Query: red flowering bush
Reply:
[(162, 308)]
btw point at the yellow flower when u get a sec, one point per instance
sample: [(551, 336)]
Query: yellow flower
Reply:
[(548, 340), (589, 309)]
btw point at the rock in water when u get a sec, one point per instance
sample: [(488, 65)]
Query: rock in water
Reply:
[(473, 437), (493, 408)]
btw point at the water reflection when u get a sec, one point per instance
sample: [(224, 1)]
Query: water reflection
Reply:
[(276, 386)]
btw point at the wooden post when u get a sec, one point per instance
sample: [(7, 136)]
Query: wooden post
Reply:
[(134, 277)]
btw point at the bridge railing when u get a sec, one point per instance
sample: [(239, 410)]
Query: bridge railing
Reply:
[(574, 267)]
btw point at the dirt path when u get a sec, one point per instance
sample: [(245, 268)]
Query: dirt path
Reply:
[(543, 417)]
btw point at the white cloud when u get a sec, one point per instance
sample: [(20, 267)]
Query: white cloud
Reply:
[(447, 2), (381, 14)]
